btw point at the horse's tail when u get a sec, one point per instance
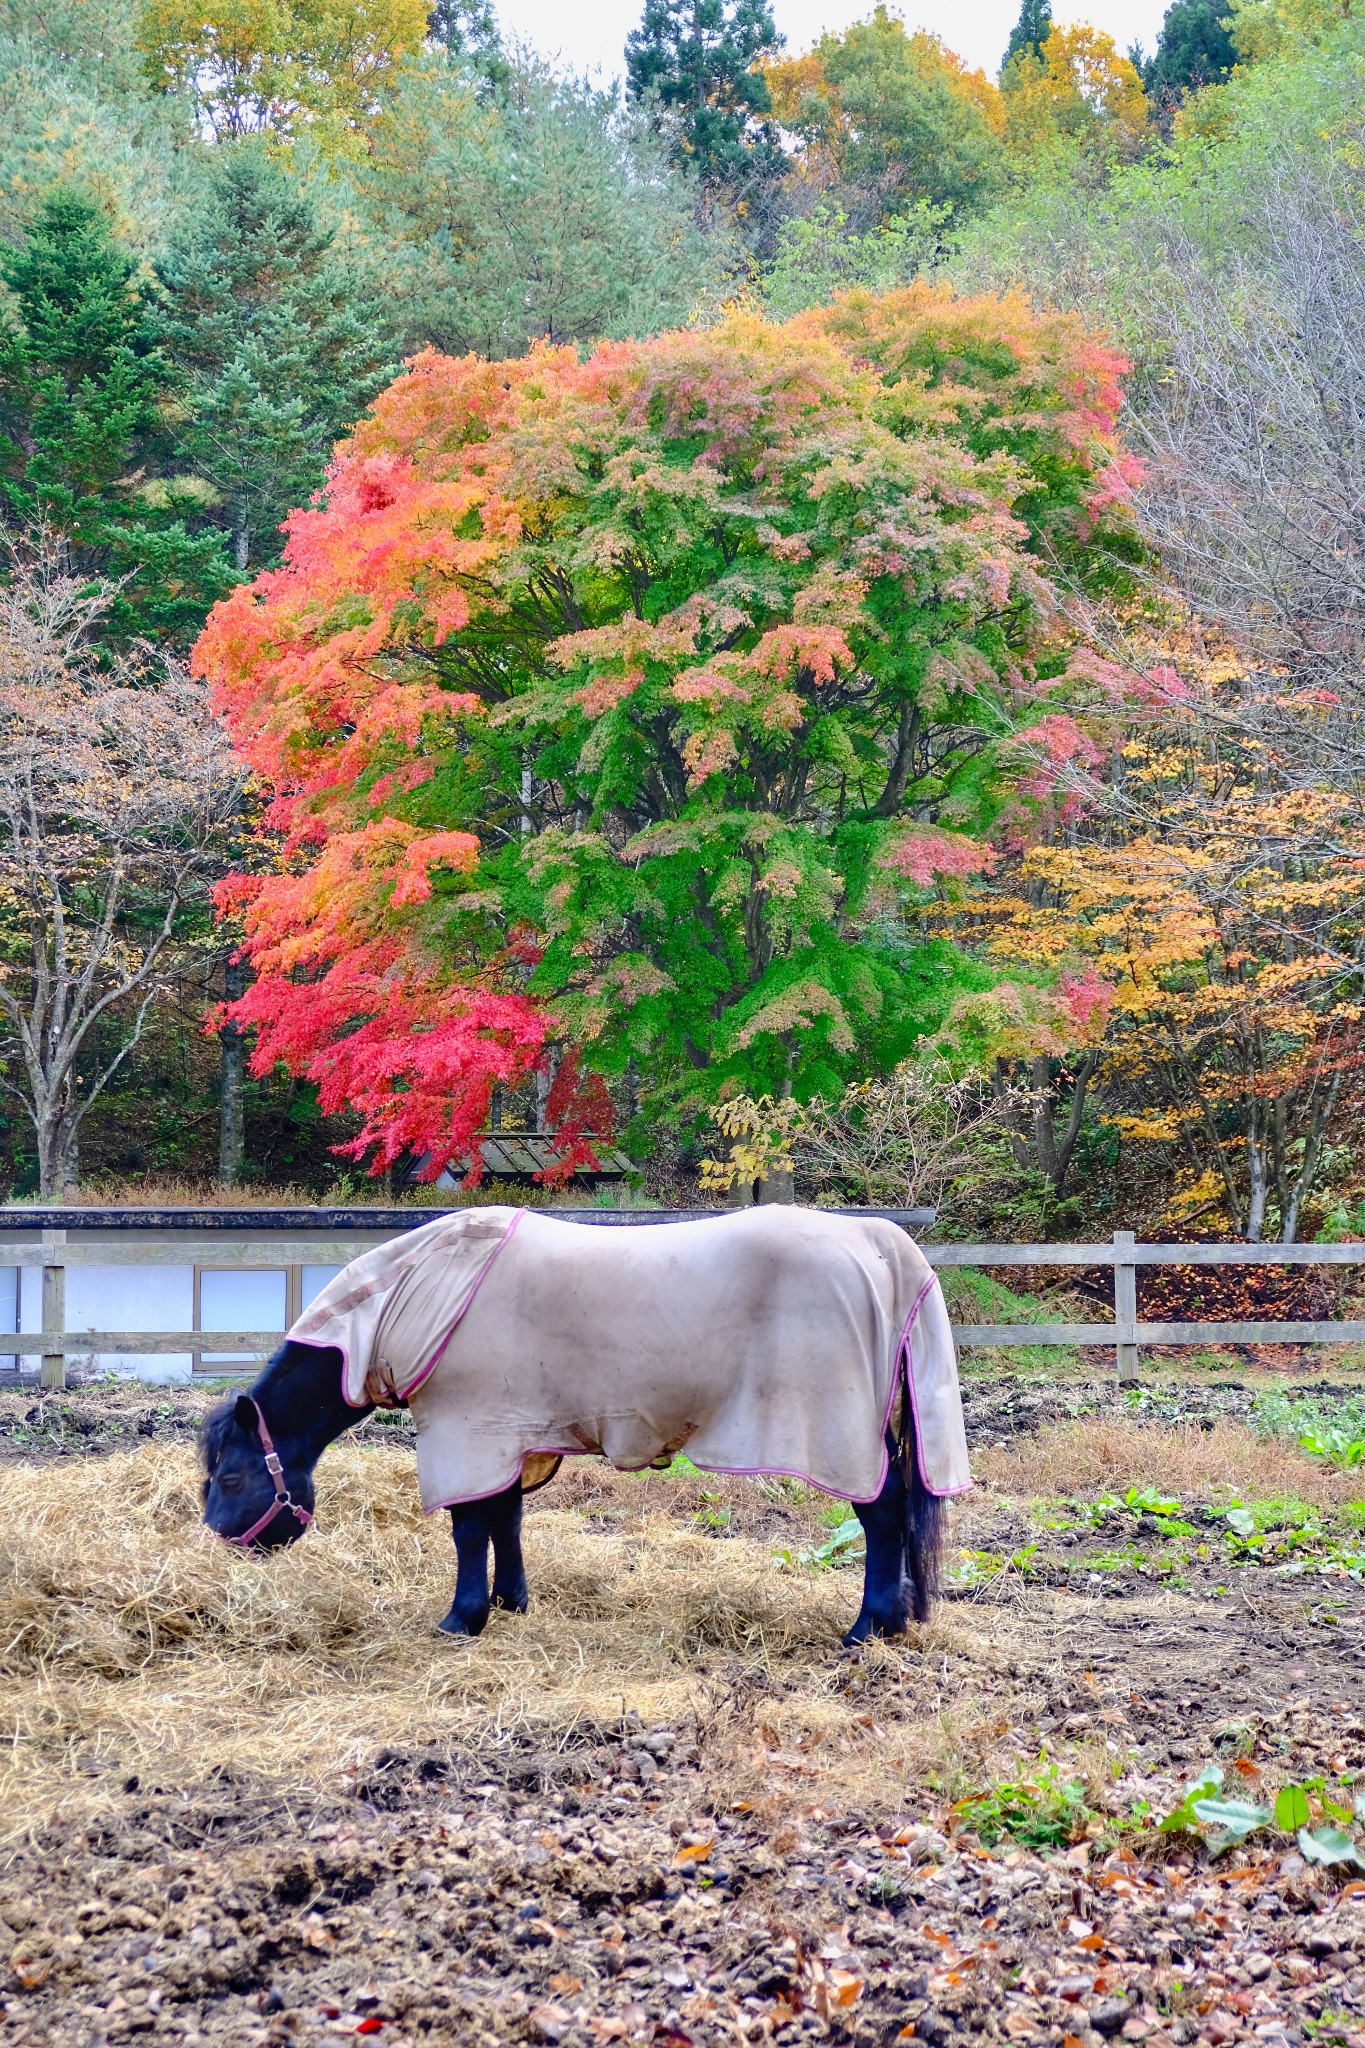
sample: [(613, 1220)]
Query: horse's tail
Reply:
[(923, 1511)]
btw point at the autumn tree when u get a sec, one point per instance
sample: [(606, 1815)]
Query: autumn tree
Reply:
[(645, 699), (280, 67), (891, 120), (1223, 911), (1076, 96), (115, 787)]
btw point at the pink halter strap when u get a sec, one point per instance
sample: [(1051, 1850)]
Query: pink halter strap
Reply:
[(282, 1496)]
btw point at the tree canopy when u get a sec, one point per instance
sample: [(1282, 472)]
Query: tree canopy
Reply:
[(629, 700)]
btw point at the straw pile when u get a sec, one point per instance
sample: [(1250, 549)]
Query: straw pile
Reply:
[(130, 1641)]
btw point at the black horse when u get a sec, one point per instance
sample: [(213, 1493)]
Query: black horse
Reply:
[(261, 1448)]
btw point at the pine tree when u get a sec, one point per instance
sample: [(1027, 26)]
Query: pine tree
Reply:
[(1029, 33), (1193, 50), (695, 59), (84, 390), (279, 345)]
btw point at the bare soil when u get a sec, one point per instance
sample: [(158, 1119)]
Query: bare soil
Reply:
[(262, 1803)]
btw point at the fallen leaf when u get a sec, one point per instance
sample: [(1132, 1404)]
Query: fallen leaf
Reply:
[(694, 1852), (565, 1986), (844, 1987), (550, 2021), (370, 2025)]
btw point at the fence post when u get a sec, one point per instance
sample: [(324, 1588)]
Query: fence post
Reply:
[(1127, 1357), (53, 1371)]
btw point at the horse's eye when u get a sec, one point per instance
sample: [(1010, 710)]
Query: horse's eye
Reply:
[(231, 1482)]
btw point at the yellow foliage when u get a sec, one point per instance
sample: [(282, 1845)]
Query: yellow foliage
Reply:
[(280, 66), (1076, 88), (1227, 929), (762, 1133)]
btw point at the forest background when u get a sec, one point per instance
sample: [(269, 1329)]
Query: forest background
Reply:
[(866, 686)]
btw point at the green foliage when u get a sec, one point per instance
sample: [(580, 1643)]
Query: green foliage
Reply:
[(695, 64), (1108, 247), (1225, 1823), (86, 391), (1336, 1446), (75, 110), (909, 131), (1045, 1811), (1030, 32), (499, 212), (1194, 50), (839, 1547), (280, 344), (1331, 1429), (819, 255)]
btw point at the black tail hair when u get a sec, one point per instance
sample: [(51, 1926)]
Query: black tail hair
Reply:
[(923, 1511)]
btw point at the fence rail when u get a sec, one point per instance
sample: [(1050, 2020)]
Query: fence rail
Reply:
[(1125, 1335)]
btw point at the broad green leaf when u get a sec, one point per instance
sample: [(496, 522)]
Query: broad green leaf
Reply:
[(1329, 1845), (1234, 1818), (1241, 1521), (1291, 1808), (1209, 1779)]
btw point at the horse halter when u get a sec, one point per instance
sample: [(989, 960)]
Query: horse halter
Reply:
[(282, 1498)]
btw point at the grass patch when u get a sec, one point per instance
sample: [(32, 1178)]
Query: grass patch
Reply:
[(1097, 1453)]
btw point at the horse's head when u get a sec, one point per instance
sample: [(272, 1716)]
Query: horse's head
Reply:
[(254, 1493)]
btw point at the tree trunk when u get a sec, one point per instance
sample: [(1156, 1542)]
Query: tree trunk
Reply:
[(232, 1087), (241, 538), (56, 1149)]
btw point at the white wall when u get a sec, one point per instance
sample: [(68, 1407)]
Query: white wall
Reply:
[(120, 1298), (155, 1298)]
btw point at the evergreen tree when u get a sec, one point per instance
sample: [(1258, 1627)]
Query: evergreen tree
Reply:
[(468, 28), (537, 207), (1194, 50), (1029, 33), (85, 388), (279, 345), (695, 59)]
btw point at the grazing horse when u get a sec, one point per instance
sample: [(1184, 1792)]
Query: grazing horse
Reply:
[(772, 1340)]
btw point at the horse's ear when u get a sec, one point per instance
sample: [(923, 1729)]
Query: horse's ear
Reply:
[(244, 1414)]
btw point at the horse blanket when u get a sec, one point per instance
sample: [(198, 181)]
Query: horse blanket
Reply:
[(769, 1340)]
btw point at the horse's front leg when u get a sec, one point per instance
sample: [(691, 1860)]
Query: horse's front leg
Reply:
[(886, 1589), (469, 1525), (509, 1572)]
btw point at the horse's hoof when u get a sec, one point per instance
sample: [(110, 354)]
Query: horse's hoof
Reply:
[(868, 1625), (462, 1625), (512, 1603)]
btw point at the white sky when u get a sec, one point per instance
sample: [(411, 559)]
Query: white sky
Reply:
[(591, 36)]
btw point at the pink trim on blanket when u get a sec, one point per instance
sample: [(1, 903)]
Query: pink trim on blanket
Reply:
[(429, 1368), (436, 1357), (903, 1358)]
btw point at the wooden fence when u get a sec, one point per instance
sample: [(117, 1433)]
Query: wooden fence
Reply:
[(1125, 1335)]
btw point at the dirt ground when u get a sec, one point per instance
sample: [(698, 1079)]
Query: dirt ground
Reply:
[(262, 1802)]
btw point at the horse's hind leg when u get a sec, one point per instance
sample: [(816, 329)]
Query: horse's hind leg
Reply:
[(886, 1590), (469, 1525), (509, 1572)]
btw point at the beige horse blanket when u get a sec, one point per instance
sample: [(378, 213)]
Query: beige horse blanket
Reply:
[(769, 1340)]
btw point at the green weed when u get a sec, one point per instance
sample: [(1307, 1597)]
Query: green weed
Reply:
[(1045, 1811)]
